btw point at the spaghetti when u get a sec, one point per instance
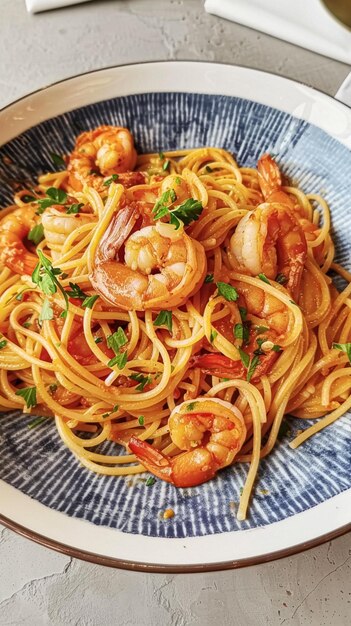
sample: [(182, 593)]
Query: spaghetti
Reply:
[(174, 303)]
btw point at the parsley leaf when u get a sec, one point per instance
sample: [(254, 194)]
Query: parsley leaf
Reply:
[(141, 420), (53, 196), (36, 234), (264, 278), (44, 276), (241, 331), (27, 198), (29, 394), (281, 279), (150, 481), (227, 291), (120, 360), (76, 292), (117, 340), (110, 180), (98, 339), (46, 312), (245, 359), (276, 348), (345, 347), (213, 335), (209, 278), (243, 313), (188, 212), (166, 165), (58, 160), (208, 169), (162, 205), (3, 343), (161, 156), (141, 379), (164, 318), (74, 208), (89, 302), (253, 364), (261, 329), (191, 406)]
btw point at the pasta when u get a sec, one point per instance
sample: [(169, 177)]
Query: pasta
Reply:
[(176, 304)]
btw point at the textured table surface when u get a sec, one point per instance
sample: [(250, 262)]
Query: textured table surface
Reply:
[(38, 586)]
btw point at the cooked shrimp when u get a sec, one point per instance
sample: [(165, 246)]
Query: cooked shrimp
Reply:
[(162, 265), (14, 228), (58, 224), (100, 153), (211, 431), (269, 240)]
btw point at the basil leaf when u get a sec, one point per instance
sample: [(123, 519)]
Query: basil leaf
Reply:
[(29, 395), (164, 318)]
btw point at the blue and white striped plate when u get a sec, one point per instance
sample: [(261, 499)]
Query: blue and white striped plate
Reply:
[(299, 491)]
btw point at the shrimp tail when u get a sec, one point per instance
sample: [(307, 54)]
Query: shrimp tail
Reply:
[(153, 460), (269, 175)]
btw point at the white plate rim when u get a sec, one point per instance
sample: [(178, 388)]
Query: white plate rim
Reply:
[(51, 528)]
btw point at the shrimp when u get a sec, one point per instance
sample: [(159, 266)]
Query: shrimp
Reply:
[(269, 240), (14, 228), (162, 265), (211, 431), (100, 153), (58, 224)]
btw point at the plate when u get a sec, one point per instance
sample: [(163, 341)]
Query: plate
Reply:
[(302, 497)]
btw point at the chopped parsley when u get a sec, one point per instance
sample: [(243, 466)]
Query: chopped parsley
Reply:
[(98, 339), (191, 406), (276, 348), (164, 318), (251, 370), (58, 160), (264, 278), (261, 329), (27, 198), (26, 324), (116, 342), (52, 388), (110, 180), (141, 420), (228, 292), (178, 180), (36, 234), (213, 335), (281, 279), (242, 331), (187, 212), (53, 196), (166, 165), (76, 292), (74, 208), (47, 312), (141, 379), (45, 277), (3, 343), (243, 313), (89, 302), (208, 169), (150, 481), (161, 156), (245, 359), (209, 278), (29, 395), (344, 347), (113, 410)]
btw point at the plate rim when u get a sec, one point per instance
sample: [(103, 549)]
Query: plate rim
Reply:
[(154, 567)]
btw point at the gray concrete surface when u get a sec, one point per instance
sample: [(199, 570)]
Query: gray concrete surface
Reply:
[(38, 586)]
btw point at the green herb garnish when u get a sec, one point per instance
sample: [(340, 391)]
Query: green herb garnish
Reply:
[(191, 406), (3, 343), (208, 278), (213, 335), (45, 277), (187, 212), (208, 169), (243, 313), (281, 279), (76, 292), (264, 278), (110, 180), (47, 312), (36, 234), (253, 364), (53, 196), (227, 291), (27, 198), (116, 342), (141, 420), (98, 339), (89, 302), (141, 379), (120, 360), (58, 160), (74, 208), (344, 347), (37, 422), (261, 329), (242, 331), (150, 481), (29, 395), (166, 165), (164, 318), (245, 359)]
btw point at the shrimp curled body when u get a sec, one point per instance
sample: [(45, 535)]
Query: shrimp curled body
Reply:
[(14, 228), (100, 153), (58, 224), (269, 240), (211, 435), (162, 265)]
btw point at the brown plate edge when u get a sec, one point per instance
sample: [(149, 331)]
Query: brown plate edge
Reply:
[(106, 561)]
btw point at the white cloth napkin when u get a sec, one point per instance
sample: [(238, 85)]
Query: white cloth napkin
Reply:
[(35, 6), (344, 92), (306, 23)]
